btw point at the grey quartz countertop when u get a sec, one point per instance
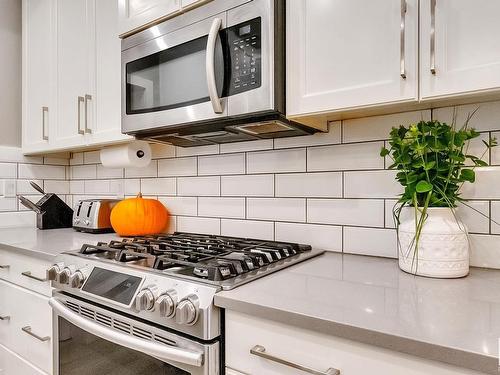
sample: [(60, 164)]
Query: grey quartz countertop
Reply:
[(371, 300), (46, 244)]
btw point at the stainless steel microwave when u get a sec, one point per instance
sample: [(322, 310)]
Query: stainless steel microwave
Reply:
[(214, 74)]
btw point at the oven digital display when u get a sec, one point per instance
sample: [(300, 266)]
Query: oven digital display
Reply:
[(115, 286)]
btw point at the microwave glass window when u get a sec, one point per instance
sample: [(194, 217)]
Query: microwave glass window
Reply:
[(81, 353), (171, 78)]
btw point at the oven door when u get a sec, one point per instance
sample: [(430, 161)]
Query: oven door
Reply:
[(90, 340), (174, 78)]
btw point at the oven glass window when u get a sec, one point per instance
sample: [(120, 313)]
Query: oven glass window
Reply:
[(81, 353), (172, 78)]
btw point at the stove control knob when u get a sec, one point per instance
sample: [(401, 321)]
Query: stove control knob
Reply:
[(52, 272), (64, 275), (166, 303), (145, 299), (187, 310), (77, 278)]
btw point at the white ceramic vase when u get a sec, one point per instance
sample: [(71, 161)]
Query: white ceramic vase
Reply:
[(443, 247)]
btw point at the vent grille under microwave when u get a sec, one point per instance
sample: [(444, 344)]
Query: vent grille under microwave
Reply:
[(117, 324)]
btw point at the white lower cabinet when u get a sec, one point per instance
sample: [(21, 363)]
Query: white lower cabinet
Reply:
[(26, 327), (316, 351), (12, 364)]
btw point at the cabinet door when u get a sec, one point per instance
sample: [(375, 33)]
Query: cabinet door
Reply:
[(75, 52), (39, 64), (348, 54), (462, 55), (12, 364), (136, 13), (107, 126)]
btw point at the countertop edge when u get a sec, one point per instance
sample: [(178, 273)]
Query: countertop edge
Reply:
[(449, 355), (28, 252)]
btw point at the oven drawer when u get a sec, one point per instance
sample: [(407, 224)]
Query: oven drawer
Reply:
[(315, 351), (26, 271), (26, 325), (12, 364)]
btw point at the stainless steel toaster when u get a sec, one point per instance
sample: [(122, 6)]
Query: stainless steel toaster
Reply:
[(93, 215)]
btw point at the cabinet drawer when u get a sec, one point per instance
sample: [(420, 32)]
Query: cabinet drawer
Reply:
[(316, 351), (22, 311), (12, 364), (15, 268)]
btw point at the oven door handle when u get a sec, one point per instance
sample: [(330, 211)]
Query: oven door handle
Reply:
[(161, 352), (210, 65)]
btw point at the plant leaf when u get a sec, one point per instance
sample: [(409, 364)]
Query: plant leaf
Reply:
[(468, 175), (423, 186), (384, 152)]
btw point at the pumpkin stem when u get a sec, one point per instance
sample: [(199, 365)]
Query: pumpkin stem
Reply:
[(139, 195)]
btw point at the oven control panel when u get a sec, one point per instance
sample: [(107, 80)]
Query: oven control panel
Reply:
[(244, 52)]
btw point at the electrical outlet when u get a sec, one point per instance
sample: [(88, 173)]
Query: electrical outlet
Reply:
[(9, 188)]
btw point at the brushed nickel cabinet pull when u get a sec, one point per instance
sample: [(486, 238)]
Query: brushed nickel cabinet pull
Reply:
[(433, 36), (45, 136), (4, 317), (4, 266), (402, 61), (28, 274), (81, 99), (87, 98), (260, 351), (27, 329)]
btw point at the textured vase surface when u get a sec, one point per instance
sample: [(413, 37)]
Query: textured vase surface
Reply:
[(443, 247)]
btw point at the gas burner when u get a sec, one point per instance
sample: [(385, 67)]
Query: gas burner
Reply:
[(207, 257)]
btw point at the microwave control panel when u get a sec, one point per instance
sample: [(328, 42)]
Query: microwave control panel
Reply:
[(244, 49)]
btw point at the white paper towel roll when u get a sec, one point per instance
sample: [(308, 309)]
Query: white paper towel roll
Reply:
[(136, 154)]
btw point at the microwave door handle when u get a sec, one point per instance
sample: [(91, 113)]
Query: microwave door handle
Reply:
[(161, 352), (210, 65)]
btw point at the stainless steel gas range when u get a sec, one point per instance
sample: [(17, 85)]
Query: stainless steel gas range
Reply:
[(145, 305)]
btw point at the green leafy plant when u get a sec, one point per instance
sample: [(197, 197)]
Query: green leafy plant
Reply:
[(433, 163)]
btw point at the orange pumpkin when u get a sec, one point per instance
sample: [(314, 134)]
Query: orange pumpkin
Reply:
[(139, 217)]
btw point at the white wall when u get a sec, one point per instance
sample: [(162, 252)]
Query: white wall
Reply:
[(10, 72)]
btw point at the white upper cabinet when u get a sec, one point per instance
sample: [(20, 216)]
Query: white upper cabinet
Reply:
[(39, 73), (75, 53), (462, 55), (136, 13), (348, 54)]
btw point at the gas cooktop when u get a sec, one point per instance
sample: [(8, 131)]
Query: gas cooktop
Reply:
[(218, 260)]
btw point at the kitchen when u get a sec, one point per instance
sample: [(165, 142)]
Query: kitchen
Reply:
[(241, 151)]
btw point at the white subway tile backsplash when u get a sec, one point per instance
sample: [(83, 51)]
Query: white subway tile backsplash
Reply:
[(377, 128), (151, 170), (184, 206), (24, 187), (77, 187), (46, 172), (486, 118), (32, 197), (97, 187), (8, 204), (486, 185), (160, 151), (76, 158), (326, 184), (371, 241), (158, 186), (55, 161), (56, 186), (83, 172), (345, 157), (104, 172), (203, 225), (371, 184), (15, 155), (329, 138), (248, 229), (293, 160), (261, 144), (495, 217), (132, 187), (8, 170), (198, 186), (200, 150), (248, 185), (177, 167), (484, 251), (92, 157), (362, 212), (221, 164), (475, 215), (326, 237), (495, 151), (283, 209), (221, 207)]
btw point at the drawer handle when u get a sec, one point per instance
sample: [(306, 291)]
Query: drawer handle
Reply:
[(260, 351), (27, 329), (28, 274), (5, 317), (4, 266)]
